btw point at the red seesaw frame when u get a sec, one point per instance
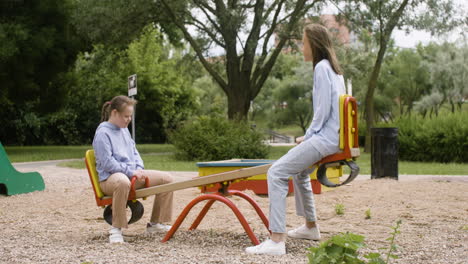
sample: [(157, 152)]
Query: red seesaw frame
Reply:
[(212, 198)]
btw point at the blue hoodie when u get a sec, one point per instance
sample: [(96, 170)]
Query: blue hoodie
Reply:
[(325, 126), (115, 151)]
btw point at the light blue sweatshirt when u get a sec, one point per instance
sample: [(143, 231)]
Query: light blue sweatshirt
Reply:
[(115, 151), (325, 126)]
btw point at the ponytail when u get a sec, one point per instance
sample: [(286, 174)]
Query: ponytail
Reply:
[(105, 112)]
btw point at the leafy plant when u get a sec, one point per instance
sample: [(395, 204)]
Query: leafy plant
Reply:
[(216, 138), (343, 249), (339, 209), (393, 247), (368, 214)]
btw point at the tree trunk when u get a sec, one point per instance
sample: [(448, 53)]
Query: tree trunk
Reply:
[(369, 101), (238, 99), (385, 34)]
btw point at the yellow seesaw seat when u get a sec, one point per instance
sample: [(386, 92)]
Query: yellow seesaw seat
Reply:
[(103, 201)]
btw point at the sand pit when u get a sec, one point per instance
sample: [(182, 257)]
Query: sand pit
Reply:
[(63, 224)]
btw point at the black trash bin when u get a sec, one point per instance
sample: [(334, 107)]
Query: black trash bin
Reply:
[(384, 152)]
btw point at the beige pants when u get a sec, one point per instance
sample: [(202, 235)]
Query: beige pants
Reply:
[(118, 185)]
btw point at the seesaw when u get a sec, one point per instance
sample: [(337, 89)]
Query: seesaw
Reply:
[(349, 151)]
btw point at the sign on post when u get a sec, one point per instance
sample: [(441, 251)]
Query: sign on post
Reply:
[(132, 85), (132, 90)]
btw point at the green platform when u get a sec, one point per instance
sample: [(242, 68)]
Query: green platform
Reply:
[(14, 182)]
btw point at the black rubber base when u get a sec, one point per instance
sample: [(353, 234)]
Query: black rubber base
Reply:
[(135, 206), (322, 172)]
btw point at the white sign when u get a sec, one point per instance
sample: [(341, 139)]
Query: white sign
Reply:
[(132, 85)]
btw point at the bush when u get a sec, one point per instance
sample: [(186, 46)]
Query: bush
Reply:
[(215, 138), (439, 139), (61, 129)]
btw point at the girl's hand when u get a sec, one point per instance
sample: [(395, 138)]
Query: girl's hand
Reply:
[(299, 140), (139, 174)]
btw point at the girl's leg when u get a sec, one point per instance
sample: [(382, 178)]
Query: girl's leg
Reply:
[(117, 185), (304, 197), (162, 206), (294, 163)]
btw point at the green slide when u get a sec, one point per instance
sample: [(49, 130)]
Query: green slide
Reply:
[(14, 182)]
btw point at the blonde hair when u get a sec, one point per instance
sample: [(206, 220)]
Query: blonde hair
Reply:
[(321, 45), (119, 103)]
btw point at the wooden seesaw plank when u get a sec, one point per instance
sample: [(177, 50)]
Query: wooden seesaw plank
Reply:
[(204, 180)]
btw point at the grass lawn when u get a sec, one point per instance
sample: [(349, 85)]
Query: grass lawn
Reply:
[(160, 157), (38, 153)]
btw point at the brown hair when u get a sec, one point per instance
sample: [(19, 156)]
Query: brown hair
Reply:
[(119, 103), (321, 44)]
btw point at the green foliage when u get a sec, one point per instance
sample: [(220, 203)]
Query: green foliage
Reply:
[(208, 91), (339, 209), (439, 139), (406, 77), (288, 100), (39, 45), (393, 246), (215, 138), (61, 129), (343, 249), (164, 93), (117, 23), (166, 96)]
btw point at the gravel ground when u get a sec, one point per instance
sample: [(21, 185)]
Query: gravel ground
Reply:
[(63, 224)]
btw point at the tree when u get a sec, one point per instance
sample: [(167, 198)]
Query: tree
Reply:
[(263, 106), (117, 23), (408, 76), (38, 45), (224, 24), (449, 73), (293, 97), (381, 18)]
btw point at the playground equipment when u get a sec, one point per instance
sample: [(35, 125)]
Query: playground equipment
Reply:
[(135, 206), (349, 151), (257, 183), (14, 182), (225, 179), (349, 144)]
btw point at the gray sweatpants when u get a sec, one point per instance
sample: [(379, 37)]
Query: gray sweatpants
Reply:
[(296, 164)]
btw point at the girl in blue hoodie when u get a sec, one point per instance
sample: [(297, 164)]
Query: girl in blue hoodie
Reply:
[(118, 160)]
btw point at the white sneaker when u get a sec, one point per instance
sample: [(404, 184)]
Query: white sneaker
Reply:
[(268, 247), (115, 235), (152, 228), (305, 233)]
